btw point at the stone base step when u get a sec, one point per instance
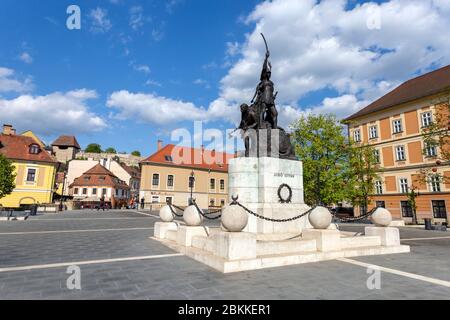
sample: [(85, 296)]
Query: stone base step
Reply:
[(276, 236), (171, 235), (284, 247), (360, 242)]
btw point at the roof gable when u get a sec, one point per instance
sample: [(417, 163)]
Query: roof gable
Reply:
[(18, 147), (66, 141)]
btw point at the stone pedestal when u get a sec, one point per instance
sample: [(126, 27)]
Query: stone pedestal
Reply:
[(185, 234), (162, 227), (257, 180), (235, 245), (326, 240), (389, 236)]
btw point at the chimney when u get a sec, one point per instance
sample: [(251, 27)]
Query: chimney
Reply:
[(7, 128), (160, 144), (13, 132)]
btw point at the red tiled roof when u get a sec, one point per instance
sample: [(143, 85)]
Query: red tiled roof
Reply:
[(17, 147), (132, 171), (203, 159), (425, 85), (99, 176), (66, 141)]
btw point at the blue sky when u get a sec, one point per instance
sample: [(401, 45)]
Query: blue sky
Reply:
[(139, 69)]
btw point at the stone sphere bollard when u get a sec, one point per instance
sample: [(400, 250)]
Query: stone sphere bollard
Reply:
[(381, 217), (234, 218), (166, 214), (192, 217), (320, 218)]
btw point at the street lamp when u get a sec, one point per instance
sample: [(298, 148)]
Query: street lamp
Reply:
[(191, 185)]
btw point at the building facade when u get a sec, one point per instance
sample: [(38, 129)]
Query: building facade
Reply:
[(173, 172), (65, 148), (35, 169), (97, 184), (394, 126)]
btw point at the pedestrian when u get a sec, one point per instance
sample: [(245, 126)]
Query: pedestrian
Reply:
[(142, 203)]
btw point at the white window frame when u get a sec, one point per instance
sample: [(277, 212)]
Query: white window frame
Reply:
[(377, 155), (173, 182), (426, 119), (220, 184), (209, 187), (36, 171), (428, 148), (403, 185), (378, 187), (155, 197), (398, 153), (373, 132), (435, 184), (357, 135), (159, 180), (397, 126)]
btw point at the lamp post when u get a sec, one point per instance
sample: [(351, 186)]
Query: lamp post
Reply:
[(191, 185)]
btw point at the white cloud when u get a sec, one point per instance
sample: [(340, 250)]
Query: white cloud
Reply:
[(9, 83), (142, 68), (321, 45), (202, 82), (52, 114), (157, 35), (136, 17), (99, 20), (151, 82), (26, 57)]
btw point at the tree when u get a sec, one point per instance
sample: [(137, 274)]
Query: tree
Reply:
[(136, 153), (361, 174), (7, 176), (412, 195), (437, 136), (93, 148), (111, 150), (321, 144)]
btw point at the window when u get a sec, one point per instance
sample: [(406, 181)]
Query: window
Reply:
[(212, 184), (426, 119), (117, 192), (212, 202), (155, 180), (380, 204), (222, 184), (31, 175), (357, 135), (94, 191), (87, 178), (75, 191), (373, 132), (430, 150), (168, 158), (155, 199), (400, 153), (104, 191), (376, 156), (439, 210), (169, 200), (84, 191), (170, 181), (123, 192), (435, 184), (403, 185), (191, 182), (101, 178), (378, 187), (407, 211), (397, 126), (34, 149), (222, 202)]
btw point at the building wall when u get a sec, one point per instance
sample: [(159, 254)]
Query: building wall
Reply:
[(26, 193), (64, 154), (411, 138), (125, 158), (180, 192)]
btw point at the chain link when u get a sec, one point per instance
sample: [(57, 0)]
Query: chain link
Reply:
[(365, 216), (206, 215), (235, 202), (173, 211)]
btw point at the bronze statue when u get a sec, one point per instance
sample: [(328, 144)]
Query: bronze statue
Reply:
[(262, 114)]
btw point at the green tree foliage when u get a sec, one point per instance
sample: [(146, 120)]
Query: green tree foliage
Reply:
[(136, 153), (93, 148), (111, 150), (321, 144), (7, 177), (361, 174)]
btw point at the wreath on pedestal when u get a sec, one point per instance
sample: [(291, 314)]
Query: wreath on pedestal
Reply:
[(282, 199)]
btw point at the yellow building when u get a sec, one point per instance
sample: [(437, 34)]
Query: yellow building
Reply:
[(35, 169), (169, 174), (395, 125)]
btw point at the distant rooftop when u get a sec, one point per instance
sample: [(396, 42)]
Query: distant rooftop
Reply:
[(66, 141)]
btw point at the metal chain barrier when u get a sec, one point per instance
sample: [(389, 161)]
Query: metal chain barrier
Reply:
[(206, 215), (364, 216), (171, 206), (235, 202)]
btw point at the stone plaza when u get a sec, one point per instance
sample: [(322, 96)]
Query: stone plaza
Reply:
[(118, 260)]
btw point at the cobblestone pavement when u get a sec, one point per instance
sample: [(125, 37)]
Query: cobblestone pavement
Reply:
[(136, 267)]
